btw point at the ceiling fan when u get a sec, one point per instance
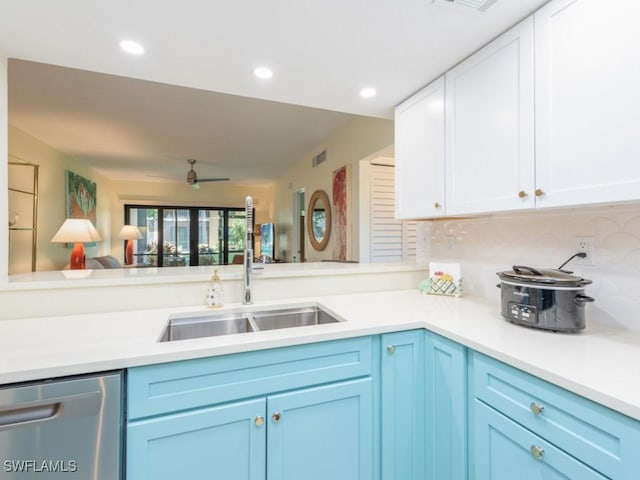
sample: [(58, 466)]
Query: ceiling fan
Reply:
[(194, 181), (192, 176)]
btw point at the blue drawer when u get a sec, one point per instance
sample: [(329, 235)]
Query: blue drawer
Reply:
[(168, 387), (504, 450), (602, 438)]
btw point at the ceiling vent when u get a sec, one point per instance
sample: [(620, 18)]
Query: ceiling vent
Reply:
[(318, 159), (467, 5)]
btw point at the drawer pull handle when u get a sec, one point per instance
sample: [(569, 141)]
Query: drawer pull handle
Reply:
[(436, 205), (522, 194), (537, 452), (259, 421), (276, 417), (539, 192), (391, 349), (536, 408)]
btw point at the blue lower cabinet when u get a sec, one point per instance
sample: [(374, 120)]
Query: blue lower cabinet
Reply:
[(322, 433), (446, 409), (403, 406), (294, 413), (599, 437), (504, 450), (223, 442)]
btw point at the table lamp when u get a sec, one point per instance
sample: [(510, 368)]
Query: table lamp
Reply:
[(129, 233), (76, 231)]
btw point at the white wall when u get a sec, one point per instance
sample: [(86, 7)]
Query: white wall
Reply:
[(51, 205), (219, 194), (488, 245), (359, 139), (4, 149), (364, 211)]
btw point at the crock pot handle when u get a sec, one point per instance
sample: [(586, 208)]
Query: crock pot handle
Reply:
[(584, 298), (523, 269)]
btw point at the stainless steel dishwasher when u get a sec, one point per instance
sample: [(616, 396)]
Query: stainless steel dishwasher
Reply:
[(62, 428)]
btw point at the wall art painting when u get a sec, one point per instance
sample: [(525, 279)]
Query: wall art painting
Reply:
[(339, 184), (81, 196)]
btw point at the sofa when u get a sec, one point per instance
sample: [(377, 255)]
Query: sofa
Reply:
[(100, 263)]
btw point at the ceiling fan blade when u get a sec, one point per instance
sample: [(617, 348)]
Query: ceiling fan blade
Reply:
[(219, 179), (192, 176)]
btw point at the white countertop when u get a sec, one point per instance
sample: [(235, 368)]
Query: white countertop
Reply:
[(598, 363)]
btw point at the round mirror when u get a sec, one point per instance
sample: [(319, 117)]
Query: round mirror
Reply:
[(319, 220)]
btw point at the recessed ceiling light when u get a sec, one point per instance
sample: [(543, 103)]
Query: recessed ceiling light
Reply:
[(263, 73), (368, 92), (134, 48)]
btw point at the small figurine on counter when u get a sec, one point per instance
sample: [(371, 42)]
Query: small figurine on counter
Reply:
[(215, 292)]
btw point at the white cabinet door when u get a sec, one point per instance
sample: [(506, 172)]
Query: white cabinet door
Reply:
[(419, 149), (587, 102), (490, 127)]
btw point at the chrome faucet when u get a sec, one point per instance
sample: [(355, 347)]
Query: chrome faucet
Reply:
[(248, 250)]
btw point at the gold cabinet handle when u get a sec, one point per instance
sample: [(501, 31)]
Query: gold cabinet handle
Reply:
[(536, 408), (436, 205), (522, 194), (259, 421), (391, 349), (276, 417), (537, 452), (539, 192)]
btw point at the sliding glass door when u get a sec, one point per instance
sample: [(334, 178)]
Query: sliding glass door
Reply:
[(175, 237), (236, 234), (179, 237), (145, 249), (210, 236)]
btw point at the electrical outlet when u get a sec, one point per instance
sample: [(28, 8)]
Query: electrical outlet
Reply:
[(586, 245), (451, 241)]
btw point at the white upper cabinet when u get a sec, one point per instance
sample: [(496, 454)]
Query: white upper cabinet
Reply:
[(490, 127), (587, 102), (419, 150), (561, 134)]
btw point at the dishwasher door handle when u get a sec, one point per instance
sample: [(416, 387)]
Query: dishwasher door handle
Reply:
[(69, 406)]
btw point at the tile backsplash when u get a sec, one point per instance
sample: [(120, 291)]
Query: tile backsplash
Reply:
[(490, 244)]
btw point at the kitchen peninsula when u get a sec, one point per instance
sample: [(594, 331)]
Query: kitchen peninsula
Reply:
[(582, 363), (71, 344)]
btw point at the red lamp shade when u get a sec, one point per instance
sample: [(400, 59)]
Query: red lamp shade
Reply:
[(129, 233), (76, 231)]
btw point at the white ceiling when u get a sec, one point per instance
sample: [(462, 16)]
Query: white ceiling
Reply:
[(130, 129), (322, 53)]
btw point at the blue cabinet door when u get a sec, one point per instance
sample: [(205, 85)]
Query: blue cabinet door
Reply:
[(504, 450), (402, 406), (446, 409), (223, 442), (322, 433)]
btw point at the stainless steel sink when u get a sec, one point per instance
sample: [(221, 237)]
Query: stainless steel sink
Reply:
[(183, 327), (208, 324), (292, 317)]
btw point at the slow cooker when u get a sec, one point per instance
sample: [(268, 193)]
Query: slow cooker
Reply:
[(550, 299)]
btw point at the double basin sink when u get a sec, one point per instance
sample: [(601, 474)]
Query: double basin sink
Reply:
[(209, 324)]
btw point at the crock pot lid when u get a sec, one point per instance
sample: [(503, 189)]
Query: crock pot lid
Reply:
[(548, 276)]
